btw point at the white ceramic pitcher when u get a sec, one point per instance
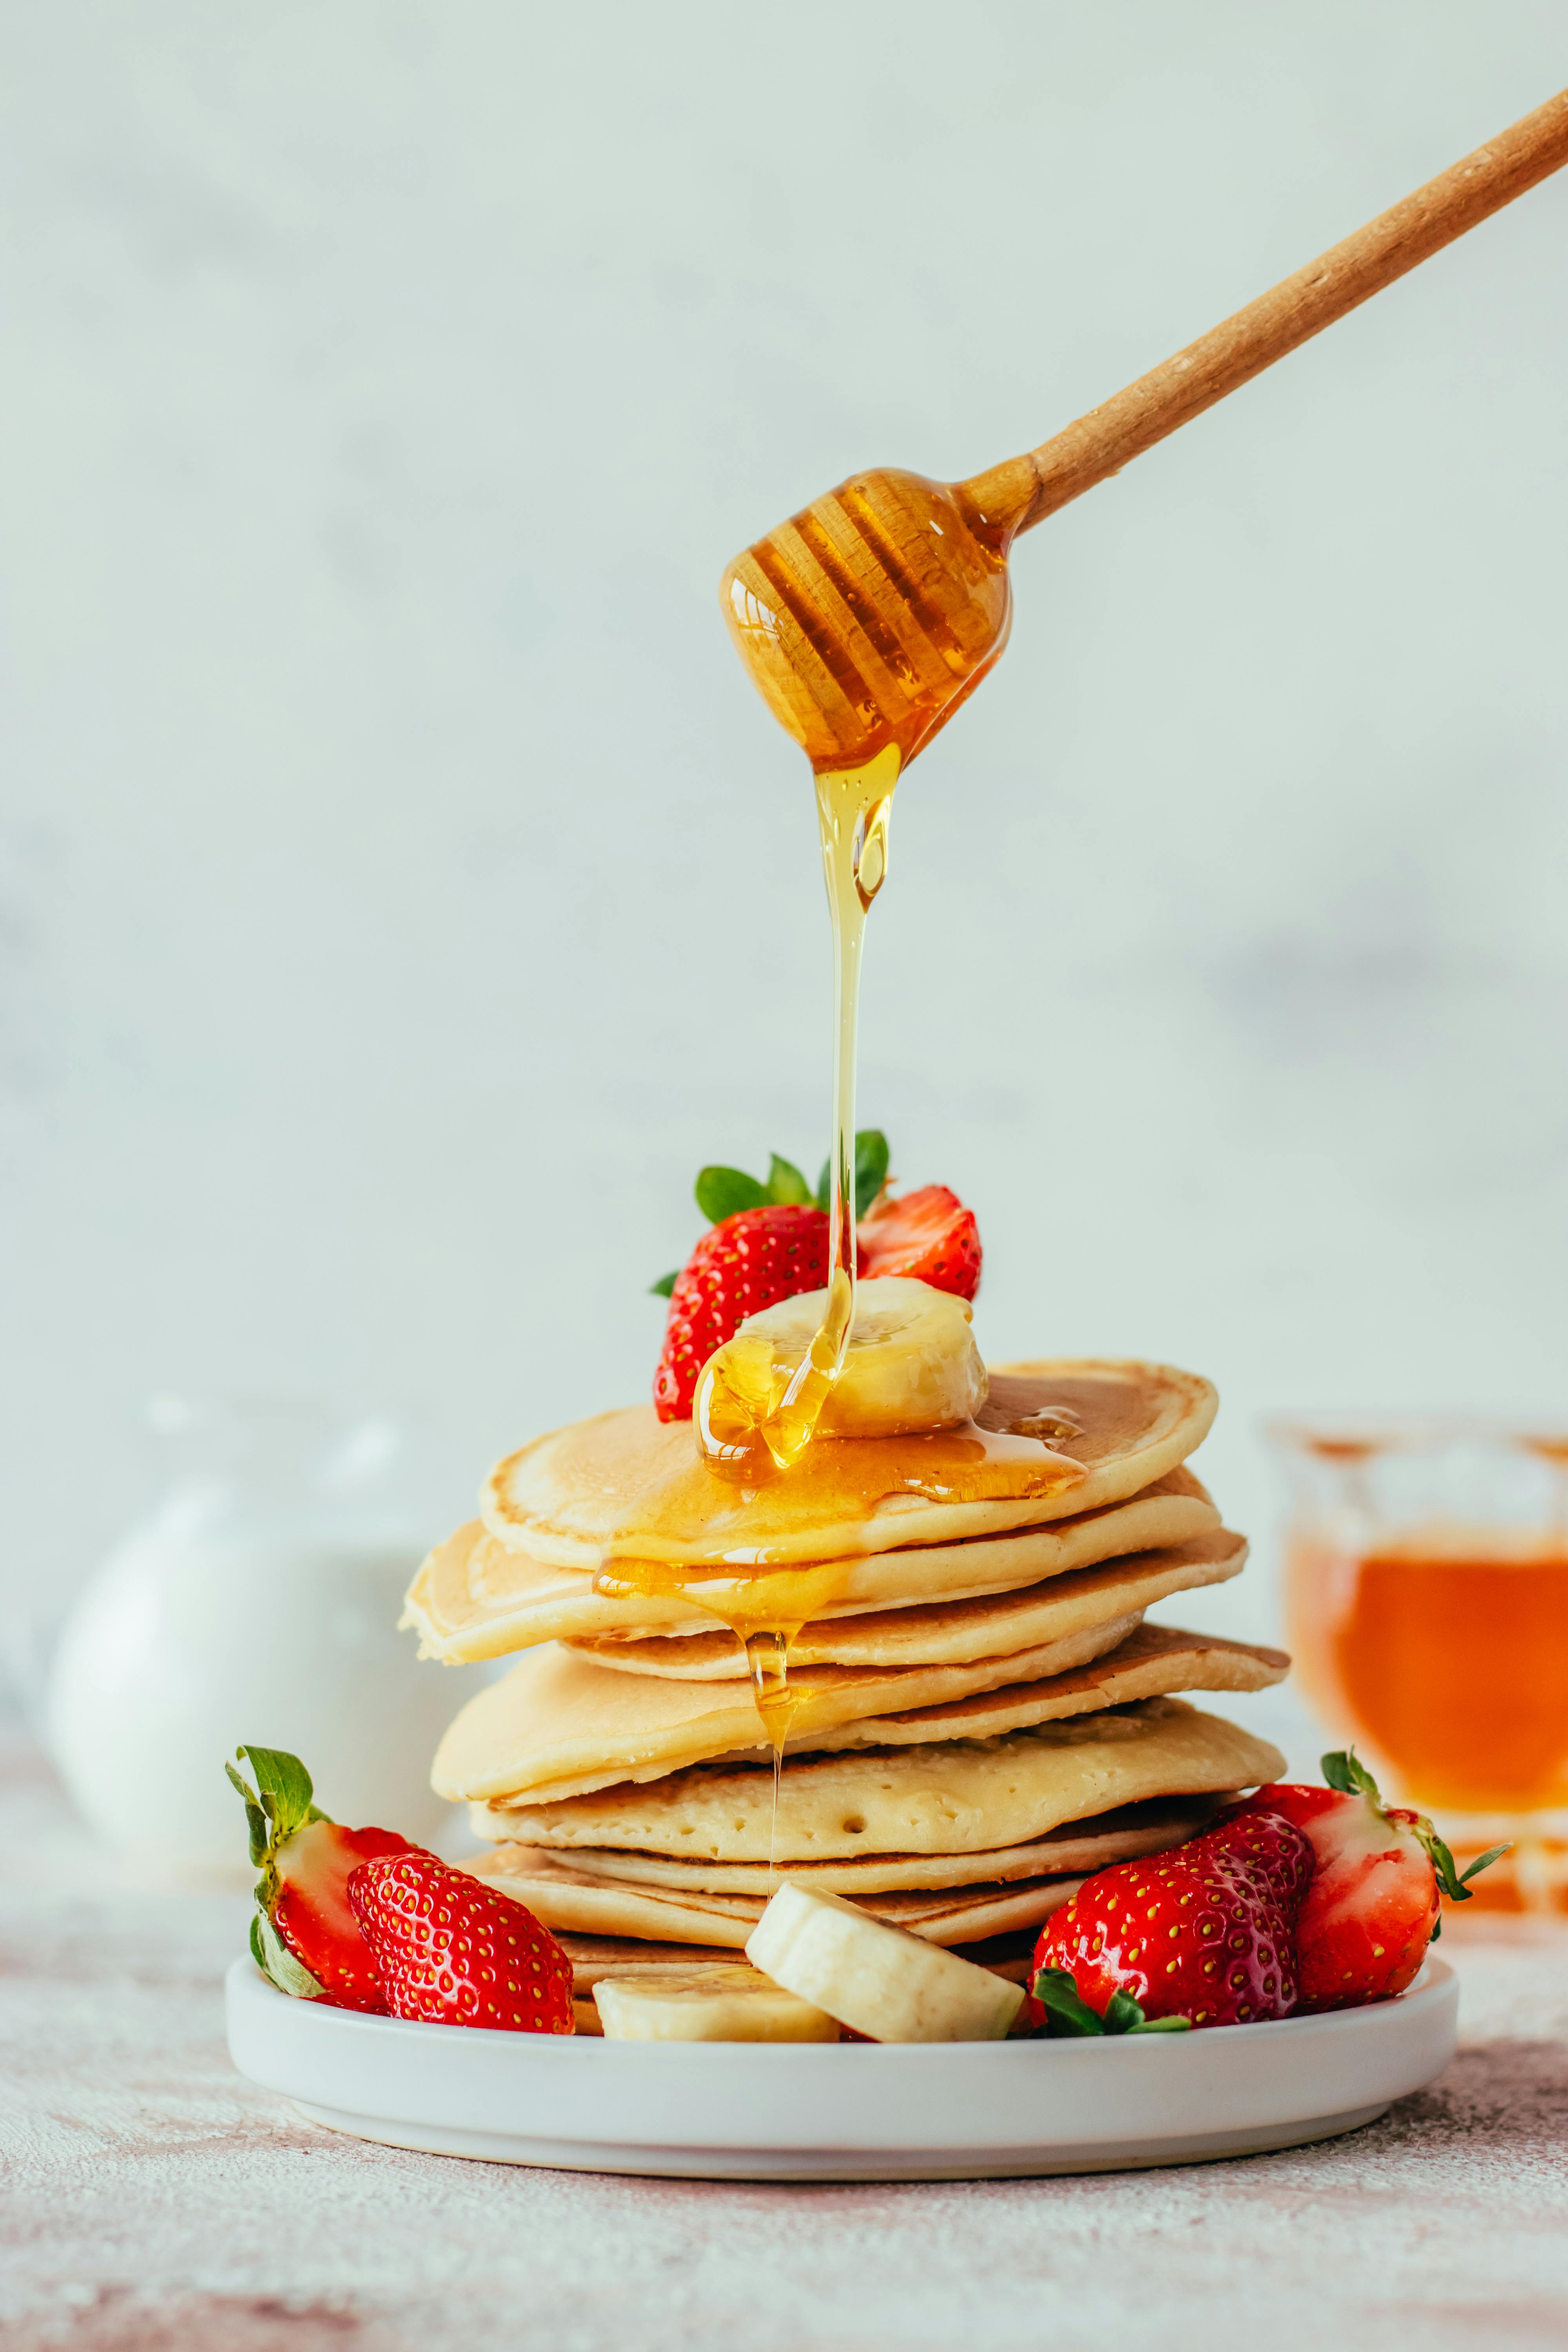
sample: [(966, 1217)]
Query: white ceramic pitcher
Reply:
[(259, 1603)]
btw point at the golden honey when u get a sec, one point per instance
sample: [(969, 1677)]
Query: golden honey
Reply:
[(865, 621), (742, 1429), (835, 1482), (870, 616), (1447, 1652)]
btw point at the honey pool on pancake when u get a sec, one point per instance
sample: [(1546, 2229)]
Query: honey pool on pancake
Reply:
[(836, 1482)]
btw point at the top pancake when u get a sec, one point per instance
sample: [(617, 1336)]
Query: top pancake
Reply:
[(629, 1487)]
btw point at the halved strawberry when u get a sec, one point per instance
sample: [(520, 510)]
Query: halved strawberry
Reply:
[(304, 1935), (1203, 1935), (453, 1951), (769, 1242), (928, 1237), (1373, 1904)]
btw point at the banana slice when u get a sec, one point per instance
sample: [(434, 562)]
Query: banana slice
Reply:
[(879, 1979), (706, 2004), (911, 1363)]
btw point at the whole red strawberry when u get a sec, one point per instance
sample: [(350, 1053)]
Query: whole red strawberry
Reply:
[(742, 1265), (927, 1237), (452, 1951), (1206, 1932), (1373, 1904), (304, 1936)]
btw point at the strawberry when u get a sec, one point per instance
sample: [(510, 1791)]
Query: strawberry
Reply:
[(1204, 1934), (928, 1237), (769, 1242), (453, 1951), (304, 1936), (742, 1265), (1373, 1904)]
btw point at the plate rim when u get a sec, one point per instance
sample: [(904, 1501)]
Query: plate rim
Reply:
[(1429, 1991), (800, 2111)]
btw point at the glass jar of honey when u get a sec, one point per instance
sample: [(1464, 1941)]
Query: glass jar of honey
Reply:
[(1426, 1575)]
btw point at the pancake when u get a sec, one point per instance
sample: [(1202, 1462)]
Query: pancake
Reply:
[(594, 1957), (950, 1797), (560, 1723), (1152, 1662), (476, 1598), (1076, 1851), (629, 1485), (563, 1897), (936, 1634), (726, 1660)]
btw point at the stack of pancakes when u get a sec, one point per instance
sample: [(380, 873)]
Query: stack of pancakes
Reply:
[(977, 1714)]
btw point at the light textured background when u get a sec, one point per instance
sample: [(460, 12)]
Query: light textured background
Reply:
[(403, 891)]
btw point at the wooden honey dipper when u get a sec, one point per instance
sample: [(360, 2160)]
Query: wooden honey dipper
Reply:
[(868, 618)]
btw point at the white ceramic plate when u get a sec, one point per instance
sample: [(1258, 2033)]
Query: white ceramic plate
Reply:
[(841, 2111)]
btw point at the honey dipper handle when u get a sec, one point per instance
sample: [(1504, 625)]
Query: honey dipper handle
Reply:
[(1021, 492)]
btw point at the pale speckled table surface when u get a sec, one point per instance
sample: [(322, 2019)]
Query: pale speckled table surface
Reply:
[(156, 2202)]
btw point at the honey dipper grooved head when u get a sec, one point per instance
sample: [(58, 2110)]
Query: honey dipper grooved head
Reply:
[(869, 616)]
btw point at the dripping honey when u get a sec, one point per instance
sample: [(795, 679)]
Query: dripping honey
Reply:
[(838, 1484), (764, 1612), (864, 622), (744, 1428)]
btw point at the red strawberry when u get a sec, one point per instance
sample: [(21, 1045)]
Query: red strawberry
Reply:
[(304, 1936), (769, 1242), (742, 1265), (452, 1951), (1372, 1907), (927, 1237), (1206, 1932)]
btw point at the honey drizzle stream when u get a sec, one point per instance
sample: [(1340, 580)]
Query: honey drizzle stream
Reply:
[(762, 1441), (754, 1436), (745, 1432), (742, 1435), (765, 1612), (767, 1655)]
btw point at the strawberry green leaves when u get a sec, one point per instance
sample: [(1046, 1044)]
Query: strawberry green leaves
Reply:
[(1344, 1770), (1069, 2017), (787, 1185), (724, 1191), (1458, 1888), (870, 1172), (277, 1962), (284, 1803)]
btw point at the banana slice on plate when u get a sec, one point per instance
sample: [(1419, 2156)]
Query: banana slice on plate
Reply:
[(879, 1979), (706, 2004), (911, 1363)]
